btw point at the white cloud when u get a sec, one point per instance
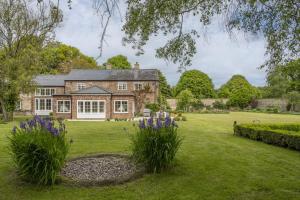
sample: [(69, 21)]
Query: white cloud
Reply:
[(218, 55)]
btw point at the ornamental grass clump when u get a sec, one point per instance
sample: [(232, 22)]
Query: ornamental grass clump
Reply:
[(39, 149), (155, 144)]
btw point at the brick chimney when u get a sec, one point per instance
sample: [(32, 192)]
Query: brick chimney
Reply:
[(108, 66), (136, 66)]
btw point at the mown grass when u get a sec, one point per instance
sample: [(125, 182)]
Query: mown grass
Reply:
[(211, 164)]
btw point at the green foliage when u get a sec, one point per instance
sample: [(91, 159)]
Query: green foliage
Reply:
[(283, 79), (239, 91), (156, 145), (197, 104), (154, 107), (24, 28), (285, 135), (185, 100), (177, 118), (39, 150), (60, 58), (118, 62), (294, 99), (275, 20), (164, 87), (197, 82), (219, 105)]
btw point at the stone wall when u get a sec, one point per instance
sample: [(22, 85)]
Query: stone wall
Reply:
[(262, 103), (281, 104), (207, 102)]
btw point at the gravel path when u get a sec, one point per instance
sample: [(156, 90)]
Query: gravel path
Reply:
[(100, 170)]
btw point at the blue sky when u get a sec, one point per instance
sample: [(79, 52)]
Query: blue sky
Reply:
[(218, 55)]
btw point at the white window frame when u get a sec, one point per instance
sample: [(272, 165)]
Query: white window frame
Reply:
[(121, 106), (91, 114), (81, 86), (45, 93), (138, 83), (45, 104), (63, 106), (122, 86)]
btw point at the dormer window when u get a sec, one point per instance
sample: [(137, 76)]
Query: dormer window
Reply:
[(138, 86), (122, 86), (80, 86)]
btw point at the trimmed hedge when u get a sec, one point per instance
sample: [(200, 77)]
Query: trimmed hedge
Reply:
[(284, 135)]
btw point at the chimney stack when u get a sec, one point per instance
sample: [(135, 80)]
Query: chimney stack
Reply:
[(136, 66), (108, 66)]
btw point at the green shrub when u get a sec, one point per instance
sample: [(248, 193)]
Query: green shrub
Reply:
[(156, 144), (183, 118), (219, 105), (177, 118), (284, 135), (154, 107), (39, 150)]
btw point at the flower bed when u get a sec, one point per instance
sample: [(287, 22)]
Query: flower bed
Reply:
[(284, 135), (156, 143), (39, 149)]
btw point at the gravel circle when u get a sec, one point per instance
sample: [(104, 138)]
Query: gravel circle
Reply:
[(101, 170)]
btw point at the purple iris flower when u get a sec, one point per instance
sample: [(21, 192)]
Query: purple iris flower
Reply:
[(158, 123), (49, 126), (142, 124), (31, 123), (167, 121), (150, 122), (23, 125), (55, 131)]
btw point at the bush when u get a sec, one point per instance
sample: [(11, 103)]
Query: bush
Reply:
[(177, 118), (219, 105), (197, 105), (284, 135), (39, 150), (183, 118), (154, 107), (155, 145)]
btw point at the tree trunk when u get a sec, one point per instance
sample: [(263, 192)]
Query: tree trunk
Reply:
[(5, 114)]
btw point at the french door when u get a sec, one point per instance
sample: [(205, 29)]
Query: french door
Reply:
[(43, 106), (91, 109)]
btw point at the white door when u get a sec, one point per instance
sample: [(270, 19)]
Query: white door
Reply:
[(43, 106), (90, 109)]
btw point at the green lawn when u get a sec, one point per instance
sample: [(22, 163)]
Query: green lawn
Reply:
[(212, 163)]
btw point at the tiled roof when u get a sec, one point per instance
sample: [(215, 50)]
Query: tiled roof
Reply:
[(98, 75), (50, 80), (92, 90)]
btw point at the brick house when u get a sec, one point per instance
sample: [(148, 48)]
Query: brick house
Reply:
[(92, 94)]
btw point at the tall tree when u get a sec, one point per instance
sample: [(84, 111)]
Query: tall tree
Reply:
[(24, 26), (118, 62), (197, 82), (283, 79), (184, 100), (164, 87), (60, 58), (239, 91)]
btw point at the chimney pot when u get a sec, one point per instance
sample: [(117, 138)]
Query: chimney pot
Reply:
[(108, 66), (136, 65)]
